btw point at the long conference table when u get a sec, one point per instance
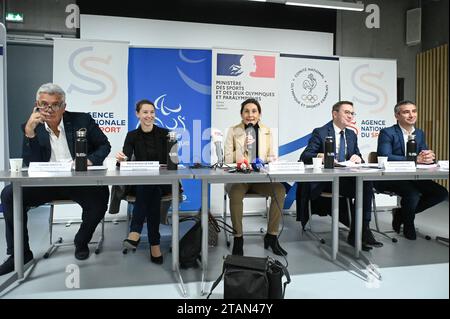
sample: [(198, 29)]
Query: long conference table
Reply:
[(22, 179), (207, 176)]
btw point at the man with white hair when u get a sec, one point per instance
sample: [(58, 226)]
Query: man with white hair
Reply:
[(49, 136)]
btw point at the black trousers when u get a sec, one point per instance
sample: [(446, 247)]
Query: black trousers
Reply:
[(416, 196), (92, 199), (147, 207), (347, 188)]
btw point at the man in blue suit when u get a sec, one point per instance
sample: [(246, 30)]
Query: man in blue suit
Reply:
[(346, 149), (416, 196), (49, 136)]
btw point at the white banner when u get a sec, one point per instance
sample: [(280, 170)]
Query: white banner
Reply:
[(309, 86), (371, 84), (4, 142), (94, 75), (236, 76)]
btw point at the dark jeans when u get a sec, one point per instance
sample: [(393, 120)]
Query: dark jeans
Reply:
[(92, 199), (416, 196), (347, 188), (147, 207)]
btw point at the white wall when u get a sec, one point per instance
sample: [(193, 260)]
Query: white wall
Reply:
[(172, 34)]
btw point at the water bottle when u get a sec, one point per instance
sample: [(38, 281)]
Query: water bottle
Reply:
[(329, 152), (81, 150), (172, 151), (411, 148)]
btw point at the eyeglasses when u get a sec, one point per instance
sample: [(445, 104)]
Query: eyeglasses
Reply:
[(349, 113), (54, 107)]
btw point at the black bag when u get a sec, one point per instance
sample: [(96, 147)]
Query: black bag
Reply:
[(191, 244), (215, 224), (252, 278)]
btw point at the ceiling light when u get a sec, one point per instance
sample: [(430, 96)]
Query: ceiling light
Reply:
[(325, 4)]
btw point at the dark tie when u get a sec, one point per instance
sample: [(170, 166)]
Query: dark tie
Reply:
[(341, 154)]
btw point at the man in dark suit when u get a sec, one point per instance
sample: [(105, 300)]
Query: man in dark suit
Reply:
[(49, 135), (346, 149), (416, 196)]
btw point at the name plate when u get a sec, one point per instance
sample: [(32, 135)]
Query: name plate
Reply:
[(399, 166), (283, 167), (443, 165), (50, 167), (139, 166)]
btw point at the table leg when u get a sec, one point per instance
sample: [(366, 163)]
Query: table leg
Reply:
[(204, 234)]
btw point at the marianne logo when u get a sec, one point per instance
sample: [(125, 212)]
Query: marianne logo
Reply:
[(256, 66), (309, 88)]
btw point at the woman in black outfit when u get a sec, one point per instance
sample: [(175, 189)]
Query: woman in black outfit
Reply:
[(146, 143)]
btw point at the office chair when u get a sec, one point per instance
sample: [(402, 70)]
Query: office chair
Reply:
[(373, 158), (328, 197), (261, 231), (60, 242)]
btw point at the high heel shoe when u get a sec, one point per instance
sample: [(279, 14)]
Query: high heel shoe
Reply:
[(238, 246), (157, 260), (130, 244), (272, 242)]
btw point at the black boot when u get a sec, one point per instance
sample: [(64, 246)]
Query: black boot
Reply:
[(272, 242), (368, 238), (238, 246), (409, 231)]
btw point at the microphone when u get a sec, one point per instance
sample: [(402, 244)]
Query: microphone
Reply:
[(250, 132), (243, 166), (257, 164), (217, 138)]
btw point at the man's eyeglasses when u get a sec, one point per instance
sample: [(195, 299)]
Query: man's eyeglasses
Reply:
[(349, 113), (54, 107)]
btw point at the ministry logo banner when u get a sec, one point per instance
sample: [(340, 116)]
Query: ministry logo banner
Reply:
[(238, 75)]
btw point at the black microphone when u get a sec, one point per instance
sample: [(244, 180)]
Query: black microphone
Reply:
[(251, 148)]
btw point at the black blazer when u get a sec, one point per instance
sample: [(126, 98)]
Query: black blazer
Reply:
[(134, 144), (38, 149), (316, 144)]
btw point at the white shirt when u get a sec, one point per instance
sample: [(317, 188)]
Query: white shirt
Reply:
[(337, 138), (59, 148), (405, 136)]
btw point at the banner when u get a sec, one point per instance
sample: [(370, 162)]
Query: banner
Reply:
[(239, 75), (4, 142), (309, 86), (371, 84), (95, 78), (178, 81)]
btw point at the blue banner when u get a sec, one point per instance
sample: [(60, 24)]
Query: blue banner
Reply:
[(179, 83)]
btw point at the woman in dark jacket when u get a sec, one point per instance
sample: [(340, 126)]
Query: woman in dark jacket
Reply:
[(146, 143)]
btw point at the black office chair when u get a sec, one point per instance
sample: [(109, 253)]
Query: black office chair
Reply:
[(322, 207)]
